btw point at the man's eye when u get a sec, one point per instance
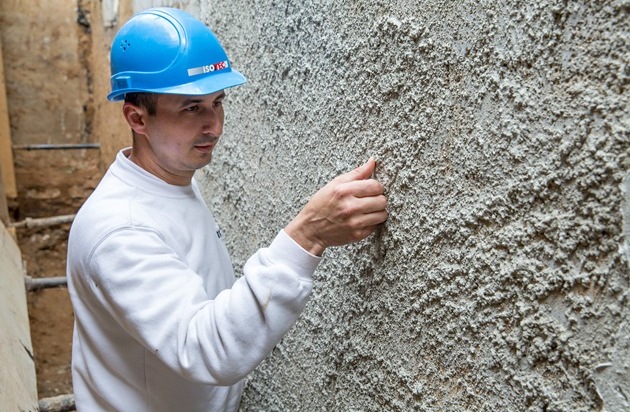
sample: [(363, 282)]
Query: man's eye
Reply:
[(192, 108), (218, 103)]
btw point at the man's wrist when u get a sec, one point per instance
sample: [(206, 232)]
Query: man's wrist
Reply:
[(300, 235)]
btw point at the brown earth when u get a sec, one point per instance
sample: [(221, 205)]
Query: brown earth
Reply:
[(56, 95), (51, 183)]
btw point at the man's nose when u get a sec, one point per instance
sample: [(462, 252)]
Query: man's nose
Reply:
[(213, 121)]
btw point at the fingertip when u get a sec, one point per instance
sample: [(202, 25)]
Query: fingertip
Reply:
[(361, 172), (371, 164)]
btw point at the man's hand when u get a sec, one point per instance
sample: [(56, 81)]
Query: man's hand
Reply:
[(346, 210)]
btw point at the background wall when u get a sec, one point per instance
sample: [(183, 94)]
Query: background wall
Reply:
[(40, 41), (500, 281), (56, 64), (108, 125), (55, 57)]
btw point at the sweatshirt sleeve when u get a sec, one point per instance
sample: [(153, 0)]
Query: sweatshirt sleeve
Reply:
[(162, 303)]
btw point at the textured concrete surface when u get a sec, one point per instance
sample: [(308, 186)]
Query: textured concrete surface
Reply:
[(500, 281), (18, 386)]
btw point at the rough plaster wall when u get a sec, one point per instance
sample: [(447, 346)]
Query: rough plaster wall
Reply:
[(500, 281)]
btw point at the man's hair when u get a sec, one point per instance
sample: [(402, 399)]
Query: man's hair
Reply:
[(145, 100)]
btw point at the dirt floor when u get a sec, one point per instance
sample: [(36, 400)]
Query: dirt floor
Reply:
[(50, 311), (51, 183)]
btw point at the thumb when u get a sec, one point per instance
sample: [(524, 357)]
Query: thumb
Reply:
[(360, 173)]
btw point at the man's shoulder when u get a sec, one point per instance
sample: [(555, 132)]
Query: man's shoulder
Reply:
[(106, 210), (109, 199), (116, 205)]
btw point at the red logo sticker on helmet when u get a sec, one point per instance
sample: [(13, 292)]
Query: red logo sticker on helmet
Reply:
[(208, 68)]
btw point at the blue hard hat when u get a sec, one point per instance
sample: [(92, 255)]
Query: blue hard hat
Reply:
[(166, 50)]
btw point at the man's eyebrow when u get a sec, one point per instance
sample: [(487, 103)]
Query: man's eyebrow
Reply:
[(190, 101), (195, 101)]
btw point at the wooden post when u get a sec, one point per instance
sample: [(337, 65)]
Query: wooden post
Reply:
[(4, 209), (7, 168), (17, 366)]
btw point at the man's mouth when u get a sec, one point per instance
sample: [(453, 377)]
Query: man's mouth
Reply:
[(206, 146)]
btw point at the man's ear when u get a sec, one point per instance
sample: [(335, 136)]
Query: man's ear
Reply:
[(136, 117)]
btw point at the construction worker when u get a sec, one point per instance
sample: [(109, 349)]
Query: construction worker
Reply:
[(161, 323)]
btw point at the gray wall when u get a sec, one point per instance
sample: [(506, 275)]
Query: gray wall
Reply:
[(500, 281), (18, 383)]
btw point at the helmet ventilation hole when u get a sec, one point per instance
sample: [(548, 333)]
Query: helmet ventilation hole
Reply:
[(125, 45)]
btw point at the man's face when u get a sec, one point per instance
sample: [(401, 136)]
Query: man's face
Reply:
[(182, 135)]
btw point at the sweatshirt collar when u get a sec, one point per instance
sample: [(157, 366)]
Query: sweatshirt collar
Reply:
[(134, 175)]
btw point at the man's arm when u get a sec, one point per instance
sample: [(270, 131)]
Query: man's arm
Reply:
[(346, 210)]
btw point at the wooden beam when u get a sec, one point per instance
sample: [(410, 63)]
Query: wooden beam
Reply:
[(18, 379), (4, 208), (7, 168)]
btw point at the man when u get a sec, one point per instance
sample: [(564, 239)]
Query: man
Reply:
[(161, 323)]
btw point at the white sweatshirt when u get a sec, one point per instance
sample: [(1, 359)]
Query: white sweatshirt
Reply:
[(160, 322)]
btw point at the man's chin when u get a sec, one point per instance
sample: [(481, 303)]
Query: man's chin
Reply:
[(205, 162)]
